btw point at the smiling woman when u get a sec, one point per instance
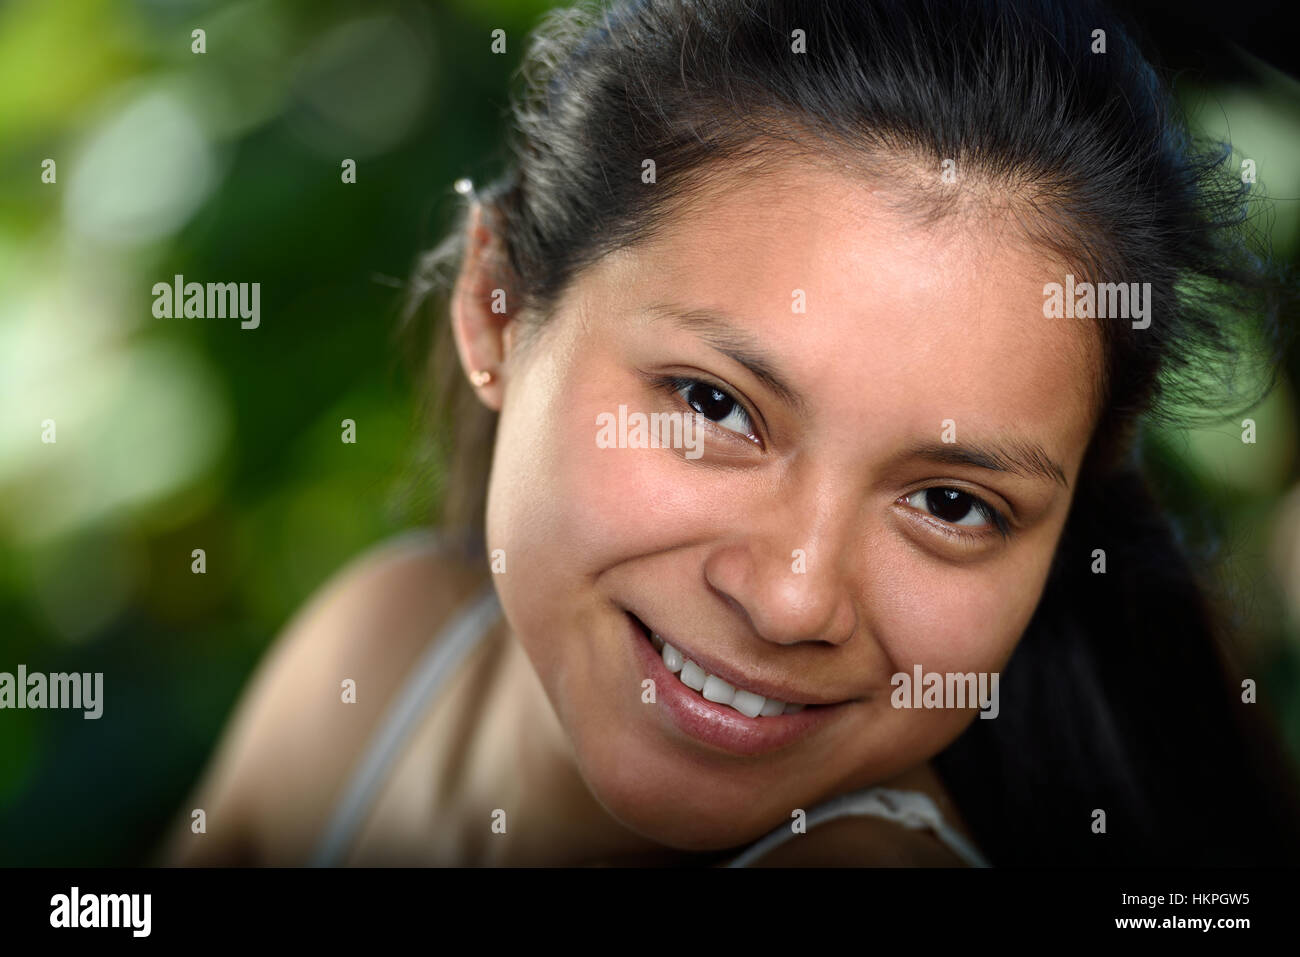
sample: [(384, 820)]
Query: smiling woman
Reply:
[(822, 461), (822, 231)]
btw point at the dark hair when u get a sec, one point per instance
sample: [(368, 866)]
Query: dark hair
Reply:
[(1120, 696)]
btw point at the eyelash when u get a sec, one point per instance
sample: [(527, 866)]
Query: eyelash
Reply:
[(679, 385)]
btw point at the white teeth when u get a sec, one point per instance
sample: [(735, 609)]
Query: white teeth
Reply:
[(693, 676), (748, 703), (718, 691)]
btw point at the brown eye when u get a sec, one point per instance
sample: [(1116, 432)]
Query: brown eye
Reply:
[(954, 507), (949, 504), (715, 405), (711, 403)]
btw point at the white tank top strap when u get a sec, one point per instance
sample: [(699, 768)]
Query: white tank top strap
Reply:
[(400, 721), (911, 809)]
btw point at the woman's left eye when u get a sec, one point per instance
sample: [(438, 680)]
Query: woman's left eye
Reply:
[(714, 404), (956, 508)]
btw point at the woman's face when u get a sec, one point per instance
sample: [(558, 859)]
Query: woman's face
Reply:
[(807, 548)]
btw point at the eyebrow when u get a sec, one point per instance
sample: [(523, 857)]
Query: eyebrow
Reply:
[(1015, 456), (729, 338), (1018, 457)]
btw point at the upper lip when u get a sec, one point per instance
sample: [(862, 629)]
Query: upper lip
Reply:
[(737, 679)]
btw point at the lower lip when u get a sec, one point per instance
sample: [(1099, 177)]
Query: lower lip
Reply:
[(718, 725)]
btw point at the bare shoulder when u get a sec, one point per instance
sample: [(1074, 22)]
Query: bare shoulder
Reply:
[(287, 750), (861, 841)]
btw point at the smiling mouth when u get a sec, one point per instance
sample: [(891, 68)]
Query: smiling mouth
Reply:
[(715, 689)]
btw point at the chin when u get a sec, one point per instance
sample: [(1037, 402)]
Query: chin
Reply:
[(651, 798)]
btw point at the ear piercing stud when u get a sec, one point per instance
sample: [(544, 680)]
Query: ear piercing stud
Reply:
[(480, 377)]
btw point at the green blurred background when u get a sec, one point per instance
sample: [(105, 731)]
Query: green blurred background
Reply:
[(176, 434)]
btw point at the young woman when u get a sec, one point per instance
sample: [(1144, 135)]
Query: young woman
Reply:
[(822, 242)]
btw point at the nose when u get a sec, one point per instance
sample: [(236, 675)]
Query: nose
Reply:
[(787, 573)]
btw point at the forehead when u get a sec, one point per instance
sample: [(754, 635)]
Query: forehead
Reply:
[(828, 272)]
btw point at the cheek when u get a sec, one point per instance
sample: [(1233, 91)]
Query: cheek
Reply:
[(949, 621), (566, 507), (564, 510), (557, 501), (957, 619)]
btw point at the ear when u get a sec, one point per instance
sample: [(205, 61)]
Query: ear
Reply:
[(482, 304)]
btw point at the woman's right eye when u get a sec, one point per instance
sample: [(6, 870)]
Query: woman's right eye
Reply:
[(714, 404)]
